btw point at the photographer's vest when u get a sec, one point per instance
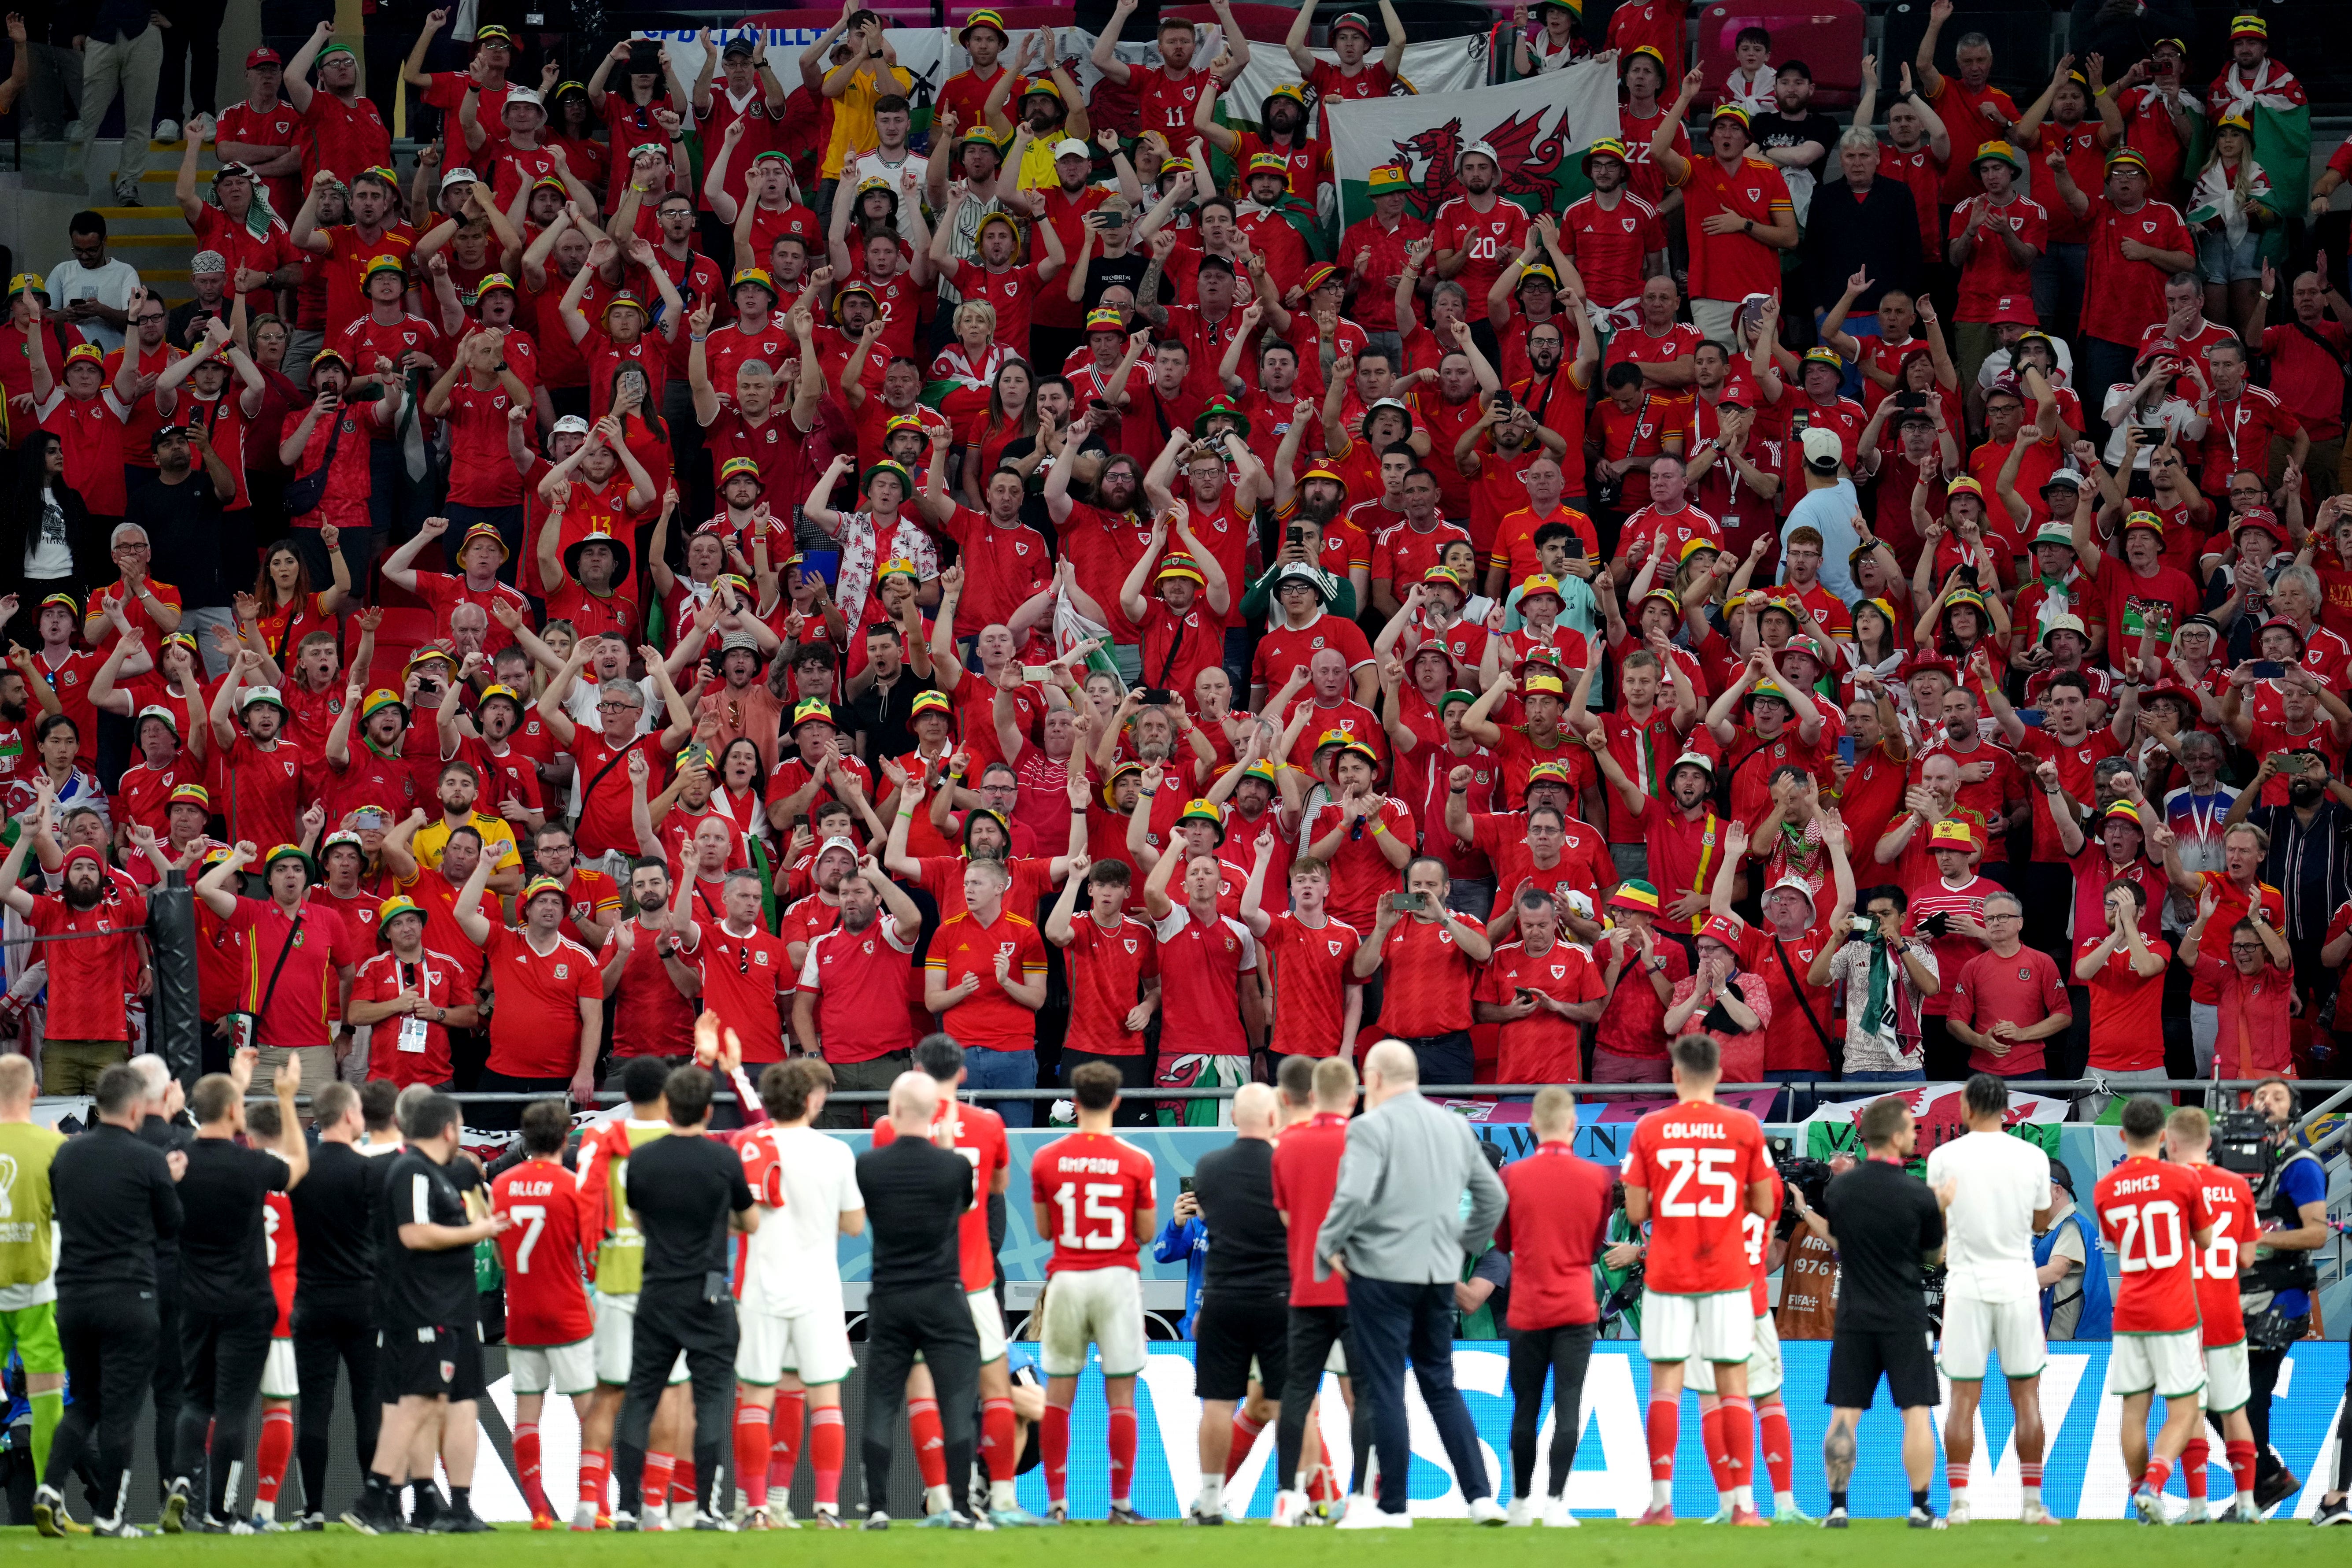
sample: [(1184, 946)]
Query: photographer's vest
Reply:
[(2262, 1282), (2097, 1318)]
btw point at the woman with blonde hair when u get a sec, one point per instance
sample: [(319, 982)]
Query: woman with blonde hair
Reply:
[(2229, 207)]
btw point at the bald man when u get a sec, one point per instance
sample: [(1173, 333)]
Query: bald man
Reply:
[(1396, 1231), (916, 1194), (1246, 1298)]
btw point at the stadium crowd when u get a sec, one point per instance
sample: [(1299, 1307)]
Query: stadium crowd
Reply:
[(1033, 601), (1071, 525)]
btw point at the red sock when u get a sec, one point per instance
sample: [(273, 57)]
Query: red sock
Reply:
[(1246, 1433), (828, 1442), (1955, 1475), (2194, 1456), (656, 1491), (784, 1437), (2159, 1470), (2241, 1454), (526, 1452), (681, 1479), (750, 1453), (595, 1469), (1712, 1419), (1054, 1444), (1323, 1486), (930, 1445), (1122, 1451), (2030, 1475), (1664, 1430), (278, 1443), (1780, 1459), (1739, 1439), (999, 1439)]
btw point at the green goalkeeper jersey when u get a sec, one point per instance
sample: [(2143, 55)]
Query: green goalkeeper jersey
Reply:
[(27, 1260)]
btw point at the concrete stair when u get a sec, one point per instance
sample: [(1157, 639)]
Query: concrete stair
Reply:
[(153, 236)]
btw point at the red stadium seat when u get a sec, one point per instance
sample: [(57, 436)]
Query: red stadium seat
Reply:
[(1827, 35)]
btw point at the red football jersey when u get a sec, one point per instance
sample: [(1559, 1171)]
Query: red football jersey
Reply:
[(1097, 1188), (2149, 1211), (282, 1247), (978, 1136), (2215, 1269), (547, 1302), (1697, 1161)]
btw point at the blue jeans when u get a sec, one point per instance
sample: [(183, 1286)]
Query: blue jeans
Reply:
[(1917, 1075), (1387, 1323), (984, 1069)]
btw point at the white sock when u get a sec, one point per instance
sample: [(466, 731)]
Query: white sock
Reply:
[(1001, 1496), (938, 1500), (2246, 1500), (1960, 1497), (1212, 1495), (2032, 1494), (1121, 1502), (265, 1510), (1744, 1497), (1662, 1494), (1784, 1499)]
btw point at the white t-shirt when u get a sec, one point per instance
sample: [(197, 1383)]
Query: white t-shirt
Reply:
[(1989, 1228), (795, 1254)]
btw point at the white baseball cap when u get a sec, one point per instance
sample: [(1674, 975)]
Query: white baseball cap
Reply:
[(1071, 147)]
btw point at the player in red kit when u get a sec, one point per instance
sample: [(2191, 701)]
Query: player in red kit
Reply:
[(1094, 1197), (2153, 1213), (1696, 1170), (280, 1381), (550, 1333), (2221, 1320)]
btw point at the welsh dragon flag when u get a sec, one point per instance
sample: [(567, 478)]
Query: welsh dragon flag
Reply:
[(1537, 127)]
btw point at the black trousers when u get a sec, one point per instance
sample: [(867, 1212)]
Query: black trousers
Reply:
[(108, 1337), (671, 1319), (331, 1327), (169, 1376), (936, 1321), (224, 1352), (1313, 1332), (1562, 1350)]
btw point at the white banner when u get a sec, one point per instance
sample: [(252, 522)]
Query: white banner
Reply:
[(932, 54)]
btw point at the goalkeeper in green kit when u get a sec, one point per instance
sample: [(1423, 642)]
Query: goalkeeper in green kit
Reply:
[(28, 1286)]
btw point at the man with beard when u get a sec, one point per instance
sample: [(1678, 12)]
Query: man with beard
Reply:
[(847, 1009), (1102, 540), (89, 1027), (1609, 257), (1469, 234), (1168, 93), (650, 1016), (1553, 388)]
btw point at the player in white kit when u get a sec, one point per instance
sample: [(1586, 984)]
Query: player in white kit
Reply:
[(788, 1288), (1995, 1190)]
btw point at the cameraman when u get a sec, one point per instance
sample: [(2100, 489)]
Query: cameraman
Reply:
[(2275, 1290)]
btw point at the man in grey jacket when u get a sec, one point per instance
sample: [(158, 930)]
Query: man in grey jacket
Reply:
[(1397, 1232)]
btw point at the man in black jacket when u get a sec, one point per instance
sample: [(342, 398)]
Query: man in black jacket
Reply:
[(114, 1199), (164, 1125), (916, 1195), (1245, 1290), (335, 1213), (686, 1194)]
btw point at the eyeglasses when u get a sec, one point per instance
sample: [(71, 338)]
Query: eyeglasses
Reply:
[(1990, 917), (743, 959), (154, 320), (2245, 947)]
